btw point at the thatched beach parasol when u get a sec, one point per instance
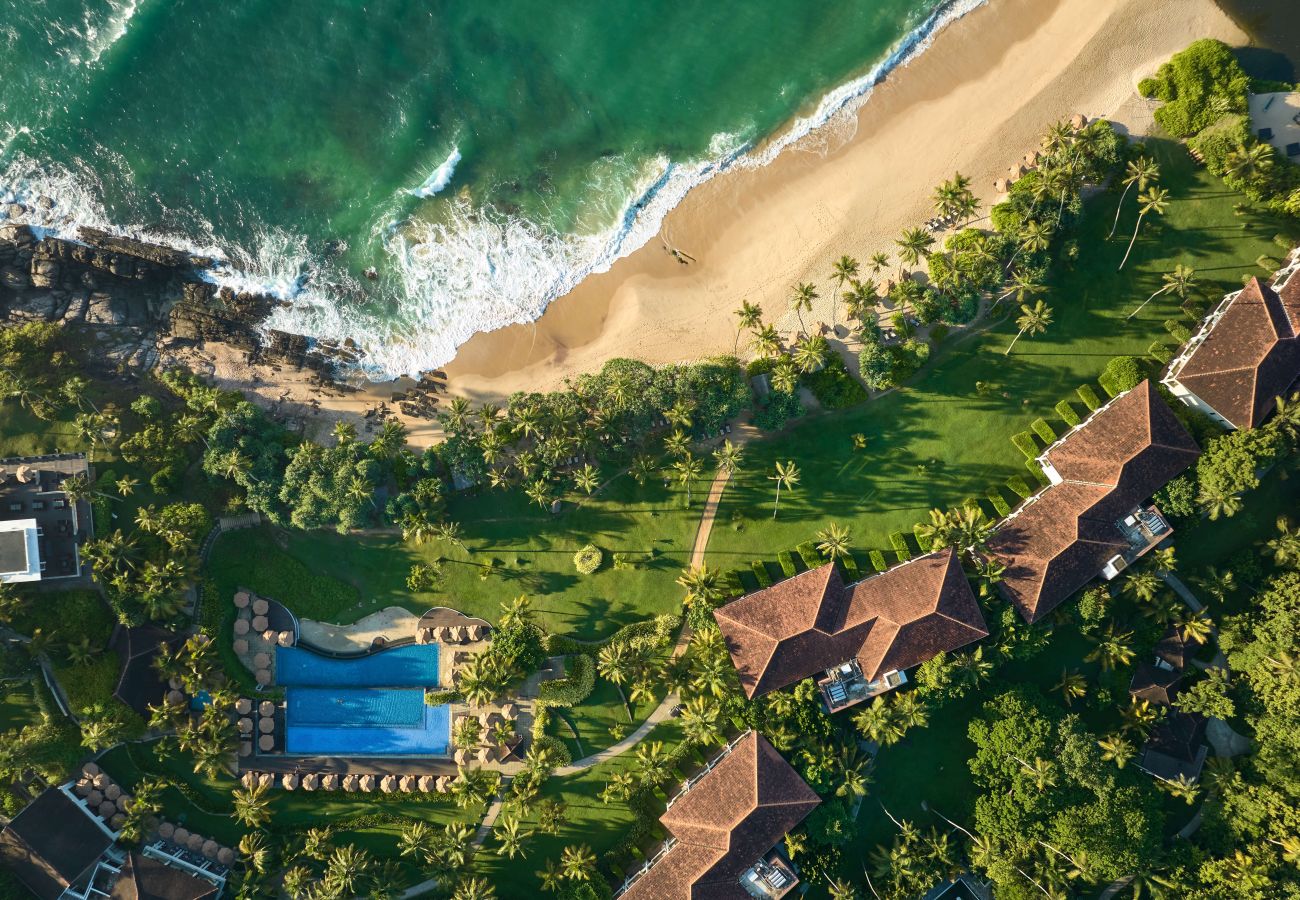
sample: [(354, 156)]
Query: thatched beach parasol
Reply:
[(90, 770), (262, 676), (1078, 120), (284, 638), (102, 781), (267, 780), (266, 744), (442, 784), (245, 725), (510, 711), (461, 756), (117, 821), (248, 780), (290, 782), (261, 607), (84, 787), (241, 626), (94, 798), (195, 842), (484, 754), (407, 784), (166, 830), (240, 647), (245, 748), (210, 848), (266, 725), (266, 708), (426, 784), (243, 706), (241, 599), (180, 837), (351, 783), (112, 792), (310, 781), (330, 781), (388, 784), (261, 660), (226, 857), (368, 783), (259, 623), (107, 809)]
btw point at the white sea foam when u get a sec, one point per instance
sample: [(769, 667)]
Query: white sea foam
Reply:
[(440, 177), (101, 37)]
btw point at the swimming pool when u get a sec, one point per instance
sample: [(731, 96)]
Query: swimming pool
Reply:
[(364, 706)]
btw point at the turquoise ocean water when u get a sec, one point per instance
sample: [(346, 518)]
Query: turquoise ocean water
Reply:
[(482, 157)]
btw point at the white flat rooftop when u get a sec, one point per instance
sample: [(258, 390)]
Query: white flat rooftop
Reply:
[(20, 556)]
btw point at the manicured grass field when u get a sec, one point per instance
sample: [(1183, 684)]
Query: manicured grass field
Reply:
[(18, 703), (936, 441)]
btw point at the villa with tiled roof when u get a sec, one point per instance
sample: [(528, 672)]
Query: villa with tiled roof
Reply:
[(1094, 518), (1246, 354), (726, 825), (863, 636)]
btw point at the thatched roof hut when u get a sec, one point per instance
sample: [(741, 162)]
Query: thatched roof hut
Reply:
[(310, 781), (266, 708), (261, 607), (259, 623), (241, 626), (241, 599), (351, 783), (290, 781), (330, 781), (266, 743)]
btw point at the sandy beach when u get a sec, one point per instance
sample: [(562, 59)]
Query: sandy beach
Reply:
[(974, 102)]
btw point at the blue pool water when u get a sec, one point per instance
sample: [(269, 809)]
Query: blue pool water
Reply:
[(368, 706), (415, 665)]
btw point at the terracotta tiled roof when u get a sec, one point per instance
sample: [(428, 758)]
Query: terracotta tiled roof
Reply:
[(1061, 540), (810, 622), (51, 844), (726, 823), (1250, 356)]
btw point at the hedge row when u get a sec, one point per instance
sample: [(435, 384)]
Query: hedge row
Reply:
[(1044, 431), (878, 561), (562, 645), (851, 568), (1160, 353), (785, 559), (573, 688), (898, 541), (808, 552), (1067, 413), (999, 502), (1018, 486), (1089, 397), (1178, 331), (1121, 374), (759, 568)]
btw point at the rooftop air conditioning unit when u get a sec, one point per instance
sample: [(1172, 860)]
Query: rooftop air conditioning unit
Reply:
[(1114, 566)]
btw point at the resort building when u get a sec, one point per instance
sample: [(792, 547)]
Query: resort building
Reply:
[(41, 529), (1095, 518), (1176, 748), (139, 685), (1246, 354), (861, 637), (726, 824)]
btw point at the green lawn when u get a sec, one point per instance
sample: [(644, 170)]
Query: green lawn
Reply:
[(935, 442), (522, 550), (18, 704), (594, 717)]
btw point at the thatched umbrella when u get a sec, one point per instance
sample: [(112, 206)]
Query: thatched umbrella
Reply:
[(94, 798), (241, 599), (289, 781), (261, 607), (112, 792), (195, 842), (310, 781), (407, 784), (259, 623), (266, 743), (117, 821), (245, 748), (462, 634), (368, 783), (1000, 185), (226, 857), (510, 711), (266, 708), (102, 781), (330, 781), (425, 784), (269, 635), (166, 830), (107, 809), (351, 783), (266, 725), (267, 780), (245, 725), (388, 784), (241, 626), (1078, 120), (262, 661), (84, 787), (124, 802), (478, 632), (1032, 157), (174, 684), (442, 634), (240, 646), (262, 676), (484, 754), (90, 770), (443, 784), (180, 837), (284, 639), (461, 756), (248, 780), (243, 706), (491, 719), (210, 848)]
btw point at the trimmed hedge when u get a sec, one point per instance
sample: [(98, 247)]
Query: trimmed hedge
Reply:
[(999, 502), (903, 555), (574, 687), (588, 559), (759, 568), (1037, 470), (878, 561), (1121, 374), (1089, 397), (1160, 353), (808, 552), (1178, 331), (1044, 431), (1025, 443), (731, 584), (549, 741), (786, 560), (1018, 486), (1067, 413), (851, 570), (898, 541), (563, 645)]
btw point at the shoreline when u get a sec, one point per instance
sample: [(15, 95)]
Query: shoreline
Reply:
[(975, 101)]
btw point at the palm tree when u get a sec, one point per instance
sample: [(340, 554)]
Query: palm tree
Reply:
[(810, 353), (1179, 281), (1286, 546), (539, 492), (1072, 686), (1218, 584), (1140, 171), (1033, 321), (586, 479), (474, 888), (841, 890), (913, 244), (1287, 417), (1195, 626), (728, 457), (417, 840), (1035, 236), (1144, 585), (252, 806), (642, 468), (701, 584), (767, 341), (1248, 163), (578, 862), (689, 468), (551, 876), (449, 533), (1182, 787), (1219, 503), (879, 262), (1023, 286), (126, 485), (787, 476), (511, 836), (1152, 200), (833, 542), (972, 668), (619, 787), (844, 271), (785, 377), (747, 317), (1140, 715), (1117, 749), (802, 300), (1113, 648), (878, 722), (1041, 772), (700, 722)]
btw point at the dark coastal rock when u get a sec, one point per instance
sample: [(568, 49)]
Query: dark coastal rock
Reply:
[(12, 279), (102, 310)]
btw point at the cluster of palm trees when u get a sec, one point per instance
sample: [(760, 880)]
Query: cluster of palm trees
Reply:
[(488, 674), (1217, 501)]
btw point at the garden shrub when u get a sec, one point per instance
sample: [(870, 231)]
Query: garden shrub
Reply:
[(1089, 397), (1024, 441), (1198, 85), (759, 568), (1067, 413), (780, 408), (440, 697), (1121, 374), (808, 552), (730, 583), (833, 386), (999, 502), (1177, 499), (876, 366), (878, 561), (588, 559), (908, 357), (898, 541), (786, 560), (1178, 331), (1160, 353), (903, 555), (851, 570), (1037, 471), (1044, 431), (550, 742), (1019, 487), (574, 687)]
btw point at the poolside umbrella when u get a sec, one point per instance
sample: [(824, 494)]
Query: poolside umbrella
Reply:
[(443, 784), (407, 784), (102, 781), (266, 725), (117, 821), (388, 784), (241, 599), (426, 784), (269, 635), (195, 842), (266, 744), (180, 836), (442, 633), (248, 780), (245, 725), (259, 623), (289, 781), (1078, 120), (84, 787), (243, 706), (166, 830), (310, 781), (245, 748), (226, 856), (262, 660), (368, 783), (210, 848), (461, 756), (509, 711), (267, 780), (124, 802), (112, 792), (262, 676), (261, 607), (241, 626), (484, 754), (1032, 158), (285, 639), (241, 646), (330, 782), (90, 770), (94, 798), (351, 783), (107, 809), (266, 708), (462, 634), (491, 719)]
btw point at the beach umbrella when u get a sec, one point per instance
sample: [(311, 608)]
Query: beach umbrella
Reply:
[(351, 783), (266, 744), (1000, 185), (330, 782), (241, 626), (266, 708), (195, 842), (388, 784), (259, 623), (262, 676), (509, 711), (243, 706), (248, 780), (426, 784), (1032, 157), (443, 784), (241, 599), (266, 725), (117, 822), (289, 781), (226, 857), (285, 639), (124, 802), (462, 634), (94, 798), (112, 792), (84, 787), (210, 848), (407, 783), (310, 781), (368, 783), (1016, 171), (180, 837), (262, 660), (267, 780), (107, 809), (90, 770), (269, 635), (174, 684), (245, 748), (261, 607), (442, 634), (166, 830), (245, 725), (492, 718), (461, 756), (1078, 120), (240, 646), (102, 781), (484, 754)]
